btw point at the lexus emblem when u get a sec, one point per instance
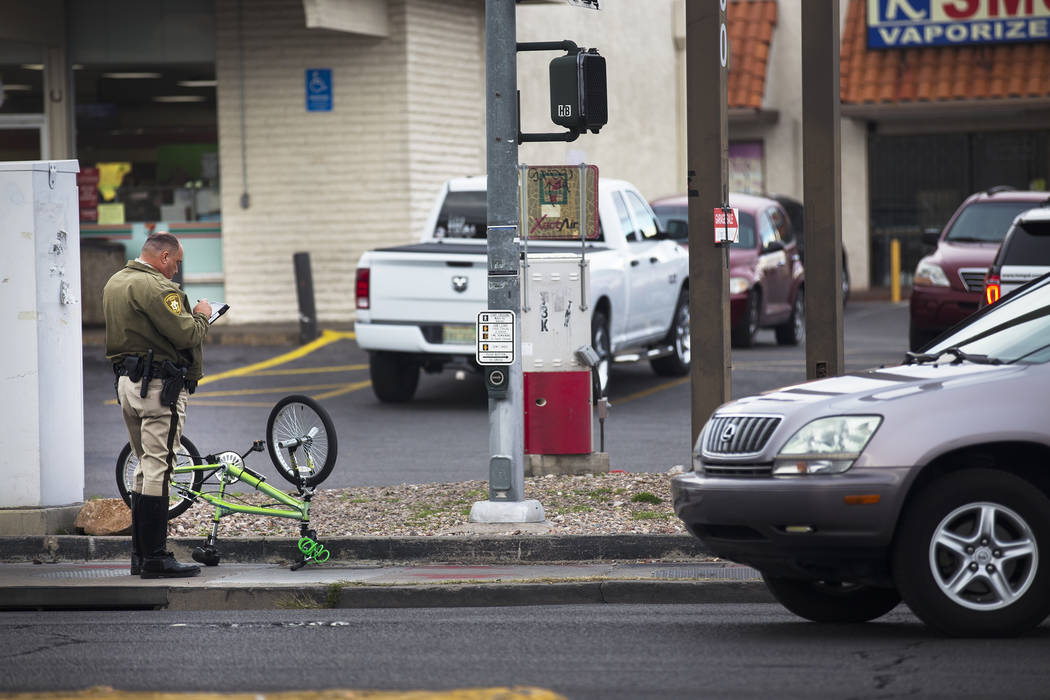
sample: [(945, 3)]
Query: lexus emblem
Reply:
[(729, 432), (459, 283)]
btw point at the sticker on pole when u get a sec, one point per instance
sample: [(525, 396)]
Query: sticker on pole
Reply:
[(553, 205), (495, 336), (727, 229)]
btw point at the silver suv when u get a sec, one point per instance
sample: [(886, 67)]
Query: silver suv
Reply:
[(929, 481)]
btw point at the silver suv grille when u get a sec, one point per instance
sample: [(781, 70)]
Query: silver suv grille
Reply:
[(726, 470), (739, 435), (973, 278)]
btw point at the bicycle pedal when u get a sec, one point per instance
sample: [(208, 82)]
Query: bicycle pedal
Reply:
[(206, 555)]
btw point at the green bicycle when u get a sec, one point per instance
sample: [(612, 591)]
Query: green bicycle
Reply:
[(302, 444)]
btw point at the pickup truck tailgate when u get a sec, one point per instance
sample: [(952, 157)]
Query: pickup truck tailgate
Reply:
[(443, 283)]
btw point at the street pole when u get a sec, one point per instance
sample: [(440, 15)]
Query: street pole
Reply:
[(506, 502), (821, 189), (707, 56)]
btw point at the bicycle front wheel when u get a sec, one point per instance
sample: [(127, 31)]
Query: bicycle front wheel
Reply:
[(301, 440), (127, 462)]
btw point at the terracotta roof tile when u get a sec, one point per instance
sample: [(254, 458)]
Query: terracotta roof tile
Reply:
[(750, 25), (937, 73)]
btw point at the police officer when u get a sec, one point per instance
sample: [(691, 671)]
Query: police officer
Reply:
[(155, 344)]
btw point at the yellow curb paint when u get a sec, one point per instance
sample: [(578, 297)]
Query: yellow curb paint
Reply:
[(104, 693), (327, 337)]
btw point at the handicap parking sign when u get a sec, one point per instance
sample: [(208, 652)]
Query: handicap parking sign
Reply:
[(318, 89)]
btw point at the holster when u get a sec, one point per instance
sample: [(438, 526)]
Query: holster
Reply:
[(173, 380), (147, 372), (130, 366)]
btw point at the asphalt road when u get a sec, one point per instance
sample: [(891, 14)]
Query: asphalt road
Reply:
[(583, 652), (442, 435)]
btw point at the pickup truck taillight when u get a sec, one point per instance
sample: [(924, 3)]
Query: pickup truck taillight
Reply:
[(992, 289), (362, 287)]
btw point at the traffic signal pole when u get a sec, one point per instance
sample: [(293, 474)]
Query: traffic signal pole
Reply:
[(506, 502)]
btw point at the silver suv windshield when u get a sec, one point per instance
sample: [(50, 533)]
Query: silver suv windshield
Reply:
[(1017, 329)]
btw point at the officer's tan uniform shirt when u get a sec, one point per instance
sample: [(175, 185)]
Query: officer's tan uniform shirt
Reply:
[(144, 310)]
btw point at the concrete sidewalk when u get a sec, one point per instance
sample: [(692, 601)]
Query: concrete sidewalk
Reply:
[(70, 572)]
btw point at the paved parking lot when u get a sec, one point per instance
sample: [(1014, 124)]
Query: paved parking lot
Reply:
[(442, 435)]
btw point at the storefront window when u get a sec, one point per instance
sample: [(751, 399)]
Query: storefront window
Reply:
[(147, 138), (917, 182)]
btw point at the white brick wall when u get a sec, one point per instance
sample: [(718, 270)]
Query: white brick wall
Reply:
[(446, 98), (338, 183)]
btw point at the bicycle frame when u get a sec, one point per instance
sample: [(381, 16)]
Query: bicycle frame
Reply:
[(230, 471), (230, 474)]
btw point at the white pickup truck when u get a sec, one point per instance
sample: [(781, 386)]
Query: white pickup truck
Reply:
[(417, 304)]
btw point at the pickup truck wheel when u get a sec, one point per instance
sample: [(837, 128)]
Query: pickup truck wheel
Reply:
[(794, 331), (394, 377), (677, 363), (600, 343), (832, 601), (743, 333), (973, 556)]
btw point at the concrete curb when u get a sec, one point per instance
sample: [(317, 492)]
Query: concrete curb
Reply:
[(460, 549), (337, 596)]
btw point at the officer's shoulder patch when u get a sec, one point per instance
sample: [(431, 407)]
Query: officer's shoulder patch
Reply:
[(173, 302)]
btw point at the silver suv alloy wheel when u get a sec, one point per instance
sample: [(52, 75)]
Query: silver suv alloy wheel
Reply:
[(983, 556)]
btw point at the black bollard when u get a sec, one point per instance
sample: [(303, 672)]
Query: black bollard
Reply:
[(304, 288)]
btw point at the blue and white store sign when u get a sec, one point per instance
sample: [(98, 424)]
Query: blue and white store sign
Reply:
[(318, 89), (913, 23)]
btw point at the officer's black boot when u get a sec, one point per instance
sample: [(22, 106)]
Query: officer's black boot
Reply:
[(136, 548), (153, 537)]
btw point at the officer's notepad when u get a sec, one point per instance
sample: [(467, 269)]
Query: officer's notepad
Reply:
[(218, 308)]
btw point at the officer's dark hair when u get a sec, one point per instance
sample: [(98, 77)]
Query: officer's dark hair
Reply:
[(159, 242)]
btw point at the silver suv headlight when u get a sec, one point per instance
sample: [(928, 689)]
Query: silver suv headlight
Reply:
[(826, 445)]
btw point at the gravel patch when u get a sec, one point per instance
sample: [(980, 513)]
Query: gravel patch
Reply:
[(604, 504)]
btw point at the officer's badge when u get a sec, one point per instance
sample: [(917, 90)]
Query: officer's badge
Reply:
[(174, 303)]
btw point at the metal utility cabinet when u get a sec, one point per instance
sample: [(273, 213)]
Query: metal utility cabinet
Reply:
[(42, 442), (554, 325)]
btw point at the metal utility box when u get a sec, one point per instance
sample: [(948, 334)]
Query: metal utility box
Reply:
[(42, 353), (554, 325)]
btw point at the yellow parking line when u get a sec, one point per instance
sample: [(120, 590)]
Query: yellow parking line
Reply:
[(327, 337), (308, 370), (269, 390), (648, 392), (345, 390)]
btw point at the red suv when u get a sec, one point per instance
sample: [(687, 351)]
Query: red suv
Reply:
[(766, 279), (949, 283)]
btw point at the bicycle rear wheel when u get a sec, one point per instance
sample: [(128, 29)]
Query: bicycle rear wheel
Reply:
[(300, 429), (188, 454)]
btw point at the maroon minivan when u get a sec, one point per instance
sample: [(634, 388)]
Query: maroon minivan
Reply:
[(949, 283)]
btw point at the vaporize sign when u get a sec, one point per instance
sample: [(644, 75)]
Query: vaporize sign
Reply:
[(552, 201), (912, 23)]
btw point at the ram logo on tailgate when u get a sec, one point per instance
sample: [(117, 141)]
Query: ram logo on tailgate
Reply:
[(459, 283)]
